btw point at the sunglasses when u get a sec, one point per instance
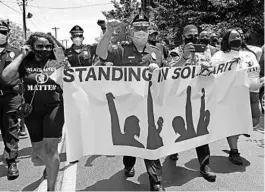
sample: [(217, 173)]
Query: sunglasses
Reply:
[(77, 36), (140, 28), (47, 47), (4, 32)]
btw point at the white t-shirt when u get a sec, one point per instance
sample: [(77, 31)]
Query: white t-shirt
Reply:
[(256, 50), (248, 60)]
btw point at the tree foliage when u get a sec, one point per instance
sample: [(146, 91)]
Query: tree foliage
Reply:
[(16, 38), (216, 16)]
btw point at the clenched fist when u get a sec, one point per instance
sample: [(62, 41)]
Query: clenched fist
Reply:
[(112, 25)]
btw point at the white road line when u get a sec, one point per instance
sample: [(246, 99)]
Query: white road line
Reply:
[(43, 184), (69, 178)]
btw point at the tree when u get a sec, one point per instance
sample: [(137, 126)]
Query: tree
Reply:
[(16, 38), (216, 16)]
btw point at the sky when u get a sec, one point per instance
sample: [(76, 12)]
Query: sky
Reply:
[(44, 18)]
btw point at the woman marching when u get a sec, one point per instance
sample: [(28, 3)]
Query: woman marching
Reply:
[(43, 106), (233, 46)]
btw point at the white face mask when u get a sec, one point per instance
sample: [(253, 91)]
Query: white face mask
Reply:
[(3, 39), (140, 37), (77, 41)]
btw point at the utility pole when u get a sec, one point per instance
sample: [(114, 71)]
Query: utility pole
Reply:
[(55, 29), (66, 40), (24, 18)]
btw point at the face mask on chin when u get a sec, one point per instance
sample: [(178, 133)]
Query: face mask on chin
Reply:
[(236, 44), (77, 41), (140, 38), (42, 55), (3, 39)]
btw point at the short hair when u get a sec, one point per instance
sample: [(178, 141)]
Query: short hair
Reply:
[(189, 27)]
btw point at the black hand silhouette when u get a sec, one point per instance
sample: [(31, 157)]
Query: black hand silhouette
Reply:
[(178, 122), (131, 126), (154, 141)]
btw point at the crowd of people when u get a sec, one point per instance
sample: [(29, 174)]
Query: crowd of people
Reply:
[(30, 98)]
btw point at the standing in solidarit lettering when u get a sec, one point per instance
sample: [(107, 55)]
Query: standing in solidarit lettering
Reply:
[(10, 99), (35, 65), (79, 54)]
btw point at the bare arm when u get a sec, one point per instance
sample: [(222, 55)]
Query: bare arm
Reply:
[(10, 73), (103, 45)]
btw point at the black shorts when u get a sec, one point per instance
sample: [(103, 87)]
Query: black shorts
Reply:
[(46, 122)]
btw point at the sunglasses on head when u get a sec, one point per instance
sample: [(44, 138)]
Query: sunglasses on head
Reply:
[(48, 47), (4, 32)]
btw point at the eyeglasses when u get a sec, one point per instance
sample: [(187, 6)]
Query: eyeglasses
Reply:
[(77, 36), (47, 47), (4, 32)]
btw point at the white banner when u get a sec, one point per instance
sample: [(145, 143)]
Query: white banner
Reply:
[(119, 111)]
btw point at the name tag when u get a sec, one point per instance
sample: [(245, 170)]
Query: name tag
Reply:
[(131, 57)]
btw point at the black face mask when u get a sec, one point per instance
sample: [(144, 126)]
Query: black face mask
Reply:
[(42, 54), (192, 39), (205, 41), (215, 40), (152, 42), (235, 43)]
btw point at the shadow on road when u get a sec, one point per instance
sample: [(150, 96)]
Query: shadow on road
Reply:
[(117, 182), (220, 164), (33, 186), (90, 160), (175, 175)]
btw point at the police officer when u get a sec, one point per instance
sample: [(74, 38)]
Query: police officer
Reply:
[(79, 54), (136, 53), (10, 99)]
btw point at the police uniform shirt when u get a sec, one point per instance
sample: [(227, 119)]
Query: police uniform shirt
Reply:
[(128, 55), (81, 58), (6, 57)]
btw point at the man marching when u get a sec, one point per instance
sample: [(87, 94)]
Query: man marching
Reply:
[(136, 53)]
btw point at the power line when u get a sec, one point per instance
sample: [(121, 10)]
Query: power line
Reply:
[(10, 7), (40, 10), (78, 7)]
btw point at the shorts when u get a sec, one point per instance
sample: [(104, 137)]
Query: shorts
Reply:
[(46, 122), (254, 104)]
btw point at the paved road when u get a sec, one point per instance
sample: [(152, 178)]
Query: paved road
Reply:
[(99, 173)]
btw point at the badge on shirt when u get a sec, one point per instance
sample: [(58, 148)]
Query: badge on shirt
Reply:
[(12, 55), (131, 57), (153, 55)]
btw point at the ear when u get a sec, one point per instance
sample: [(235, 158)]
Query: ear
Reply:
[(83, 38)]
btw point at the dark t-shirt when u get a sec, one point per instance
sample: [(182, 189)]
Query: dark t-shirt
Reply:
[(36, 77)]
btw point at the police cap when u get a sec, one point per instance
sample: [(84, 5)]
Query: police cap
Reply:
[(4, 25), (140, 20), (77, 30)]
